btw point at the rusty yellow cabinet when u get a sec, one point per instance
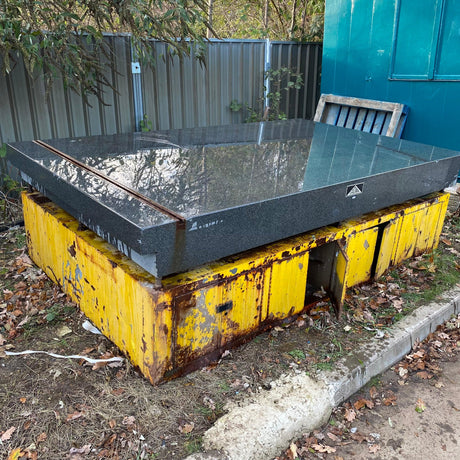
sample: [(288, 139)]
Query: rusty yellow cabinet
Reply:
[(182, 322)]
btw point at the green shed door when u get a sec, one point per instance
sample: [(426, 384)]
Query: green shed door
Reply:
[(448, 55), (414, 40)]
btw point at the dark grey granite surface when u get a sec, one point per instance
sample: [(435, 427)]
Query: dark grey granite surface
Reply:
[(231, 187)]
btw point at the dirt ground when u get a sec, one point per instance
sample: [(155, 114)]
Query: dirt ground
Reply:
[(63, 408), (412, 411)]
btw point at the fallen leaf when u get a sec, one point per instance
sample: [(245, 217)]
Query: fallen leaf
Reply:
[(403, 372), (293, 449), (63, 331), (186, 428), (363, 402), (22, 400), (86, 449), (74, 416), (2, 340), (7, 434), (41, 437), (130, 420), (358, 437), (374, 448), (424, 375), (118, 391), (390, 400), (420, 406), (350, 414), (333, 437), (373, 393), (7, 294), (324, 448), (359, 404), (112, 423), (15, 454)]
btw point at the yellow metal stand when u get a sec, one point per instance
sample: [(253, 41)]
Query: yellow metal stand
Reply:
[(187, 320)]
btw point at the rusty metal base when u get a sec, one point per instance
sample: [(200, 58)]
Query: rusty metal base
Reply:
[(185, 321)]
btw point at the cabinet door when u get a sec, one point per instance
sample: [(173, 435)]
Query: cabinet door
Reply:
[(360, 251)]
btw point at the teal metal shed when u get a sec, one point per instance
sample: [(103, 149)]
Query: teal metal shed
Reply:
[(402, 51)]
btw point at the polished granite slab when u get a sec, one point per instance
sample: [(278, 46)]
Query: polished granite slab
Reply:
[(172, 200)]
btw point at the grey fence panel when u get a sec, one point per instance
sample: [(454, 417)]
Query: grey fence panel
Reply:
[(186, 93), (175, 94), (27, 112), (306, 59)]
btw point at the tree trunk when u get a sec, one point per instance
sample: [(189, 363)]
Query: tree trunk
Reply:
[(210, 10), (292, 26), (266, 16)]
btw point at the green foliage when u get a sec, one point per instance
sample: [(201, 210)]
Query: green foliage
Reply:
[(146, 124), (301, 20), (277, 81), (297, 354), (194, 444), (64, 38)]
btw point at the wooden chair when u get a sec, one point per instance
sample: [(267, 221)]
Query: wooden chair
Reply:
[(386, 118)]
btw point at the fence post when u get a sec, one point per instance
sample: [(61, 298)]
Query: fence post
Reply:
[(137, 87), (267, 66)]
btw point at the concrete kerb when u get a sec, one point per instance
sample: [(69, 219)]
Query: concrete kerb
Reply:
[(263, 426)]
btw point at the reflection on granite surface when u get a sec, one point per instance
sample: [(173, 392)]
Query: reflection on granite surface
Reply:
[(202, 170)]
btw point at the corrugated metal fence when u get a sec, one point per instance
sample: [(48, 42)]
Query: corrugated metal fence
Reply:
[(174, 94)]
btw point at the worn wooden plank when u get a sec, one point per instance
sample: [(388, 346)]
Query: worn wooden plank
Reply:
[(386, 124), (351, 119), (332, 115), (360, 119), (380, 117), (370, 118), (343, 116), (378, 122)]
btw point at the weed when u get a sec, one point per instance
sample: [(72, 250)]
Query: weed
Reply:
[(324, 366), (224, 387), (297, 354), (58, 312), (375, 381), (193, 444), (146, 124), (277, 81), (20, 240)]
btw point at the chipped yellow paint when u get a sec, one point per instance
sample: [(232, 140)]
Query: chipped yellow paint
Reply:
[(170, 327), (341, 273), (287, 285), (419, 229), (389, 237), (360, 251), (88, 269)]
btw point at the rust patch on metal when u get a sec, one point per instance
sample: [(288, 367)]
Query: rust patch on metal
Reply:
[(71, 249), (113, 264)]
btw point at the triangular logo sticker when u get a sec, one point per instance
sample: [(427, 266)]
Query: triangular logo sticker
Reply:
[(355, 189)]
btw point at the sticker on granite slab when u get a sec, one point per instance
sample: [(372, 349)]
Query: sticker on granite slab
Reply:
[(355, 189)]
